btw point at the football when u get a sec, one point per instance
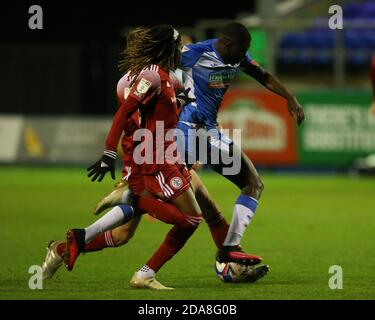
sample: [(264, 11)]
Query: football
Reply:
[(236, 272), (230, 271)]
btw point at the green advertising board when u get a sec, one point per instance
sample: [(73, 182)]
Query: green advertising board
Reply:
[(257, 51), (258, 46), (338, 128)]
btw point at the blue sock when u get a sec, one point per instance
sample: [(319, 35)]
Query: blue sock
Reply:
[(128, 212), (248, 202)]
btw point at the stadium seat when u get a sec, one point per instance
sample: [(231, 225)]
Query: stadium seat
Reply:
[(316, 45)]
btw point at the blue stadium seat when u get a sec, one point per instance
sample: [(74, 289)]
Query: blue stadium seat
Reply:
[(288, 40), (354, 39), (314, 46), (323, 58), (286, 58), (304, 57), (352, 10), (370, 38), (321, 38)]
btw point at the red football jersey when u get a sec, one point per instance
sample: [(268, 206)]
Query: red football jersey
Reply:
[(153, 92), (132, 123)]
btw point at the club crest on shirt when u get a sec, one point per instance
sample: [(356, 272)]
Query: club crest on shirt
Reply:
[(176, 183), (143, 86)]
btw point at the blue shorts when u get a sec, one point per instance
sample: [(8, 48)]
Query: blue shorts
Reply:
[(196, 143)]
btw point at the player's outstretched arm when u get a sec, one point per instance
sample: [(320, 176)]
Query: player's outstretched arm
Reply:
[(273, 84), (107, 162), (294, 107)]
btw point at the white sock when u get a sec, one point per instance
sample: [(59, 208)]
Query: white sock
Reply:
[(145, 272), (109, 221), (243, 212)]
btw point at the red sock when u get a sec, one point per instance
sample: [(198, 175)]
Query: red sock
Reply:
[(173, 242), (163, 211), (101, 241), (219, 229)]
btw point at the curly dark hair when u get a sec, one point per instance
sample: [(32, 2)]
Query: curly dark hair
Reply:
[(155, 45)]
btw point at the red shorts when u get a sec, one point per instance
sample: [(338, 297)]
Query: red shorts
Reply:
[(171, 180), (134, 178)]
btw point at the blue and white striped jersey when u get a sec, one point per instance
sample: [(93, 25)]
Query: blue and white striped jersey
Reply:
[(209, 78)]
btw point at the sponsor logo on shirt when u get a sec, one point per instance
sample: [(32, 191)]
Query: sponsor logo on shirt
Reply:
[(221, 79), (143, 86)]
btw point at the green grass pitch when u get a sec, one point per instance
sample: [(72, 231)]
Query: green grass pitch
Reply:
[(304, 224)]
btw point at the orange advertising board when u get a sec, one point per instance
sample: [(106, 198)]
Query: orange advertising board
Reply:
[(267, 130)]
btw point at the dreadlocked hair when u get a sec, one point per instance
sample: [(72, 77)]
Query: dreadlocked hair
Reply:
[(146, 46)]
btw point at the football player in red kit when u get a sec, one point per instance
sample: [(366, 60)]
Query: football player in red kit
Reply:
[(168, 213), (153, 94)]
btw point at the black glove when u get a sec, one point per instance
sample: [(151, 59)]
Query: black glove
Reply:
[(101, 167), (182, 96)]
